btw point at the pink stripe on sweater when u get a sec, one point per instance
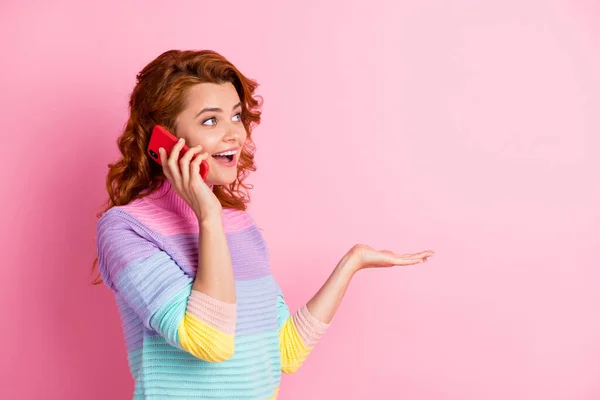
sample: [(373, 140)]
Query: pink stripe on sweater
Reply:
[(309, 328), (165, 212), (216, 313), (159, 219)]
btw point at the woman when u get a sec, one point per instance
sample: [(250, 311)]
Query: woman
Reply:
[(202, 315)]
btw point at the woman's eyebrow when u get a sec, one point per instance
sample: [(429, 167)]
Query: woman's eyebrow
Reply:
[(216, 109)]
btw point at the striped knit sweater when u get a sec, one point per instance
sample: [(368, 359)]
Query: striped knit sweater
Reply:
[(184, 344)]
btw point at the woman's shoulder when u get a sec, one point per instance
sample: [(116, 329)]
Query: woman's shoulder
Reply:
[(114, 214), (119, 218), (128, 212), (138, 215)]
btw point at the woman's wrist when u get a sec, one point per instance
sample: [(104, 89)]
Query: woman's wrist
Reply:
[(209, 222), (348, 265)]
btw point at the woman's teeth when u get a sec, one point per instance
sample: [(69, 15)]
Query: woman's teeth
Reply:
[(227, 154), (229, 158)]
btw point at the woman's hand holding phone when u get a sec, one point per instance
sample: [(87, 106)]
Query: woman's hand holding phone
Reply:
[(185, 179)]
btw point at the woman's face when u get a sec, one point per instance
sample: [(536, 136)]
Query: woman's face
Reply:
[(212, 119)]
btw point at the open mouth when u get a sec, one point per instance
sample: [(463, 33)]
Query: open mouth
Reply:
[(228, 158)]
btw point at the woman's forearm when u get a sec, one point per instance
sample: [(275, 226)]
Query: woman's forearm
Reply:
[(215, 273), (326, 301)]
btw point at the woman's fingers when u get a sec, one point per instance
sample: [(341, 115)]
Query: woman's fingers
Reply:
[(416, 257), (172, 163), (185, 165), (423, 254), (390, 258), (393, 260), (426, 253), (195, 165), (406, 261), (163, 161)]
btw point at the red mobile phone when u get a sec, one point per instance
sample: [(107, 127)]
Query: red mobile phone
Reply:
[(161, 137)]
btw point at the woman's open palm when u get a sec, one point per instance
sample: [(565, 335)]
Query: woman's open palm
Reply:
[(365, 256)]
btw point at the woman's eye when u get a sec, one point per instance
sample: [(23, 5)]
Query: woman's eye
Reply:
[(210, 119), (214, 119)]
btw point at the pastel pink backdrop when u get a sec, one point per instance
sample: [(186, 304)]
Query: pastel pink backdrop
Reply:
[(466, 127)]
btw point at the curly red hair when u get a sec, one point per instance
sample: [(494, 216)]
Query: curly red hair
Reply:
[(158, 97)]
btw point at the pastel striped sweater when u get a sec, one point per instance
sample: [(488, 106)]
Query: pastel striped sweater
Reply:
[(184, 344)]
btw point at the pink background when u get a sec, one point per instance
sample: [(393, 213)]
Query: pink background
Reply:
[(467, 127)]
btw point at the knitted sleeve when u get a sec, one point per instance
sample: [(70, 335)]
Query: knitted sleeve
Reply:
[(298, 334), (133, 265)]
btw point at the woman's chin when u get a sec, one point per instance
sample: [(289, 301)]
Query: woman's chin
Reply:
[(220, 175)]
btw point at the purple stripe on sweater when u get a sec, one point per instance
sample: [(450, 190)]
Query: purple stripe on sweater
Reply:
[(256, 300), (150, 283), (121, 240), (132, 326), (124, 240), (249, 253)]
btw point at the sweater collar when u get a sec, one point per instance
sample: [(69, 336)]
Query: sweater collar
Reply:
[(168, 198)]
